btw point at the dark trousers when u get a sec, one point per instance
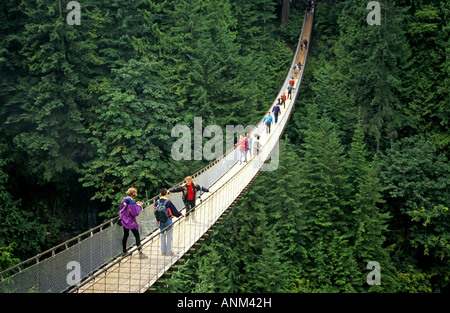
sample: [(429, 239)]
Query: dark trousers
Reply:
[(276, 117), (126, 233), (190, 204)]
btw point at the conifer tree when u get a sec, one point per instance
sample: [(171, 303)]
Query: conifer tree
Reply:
[(426, 78), (323, 195), (49, 123), (370, 223), (213, 271), (371, 226), (263, 270), (323, 179), (415, 180), (370, 59), (278, 196)]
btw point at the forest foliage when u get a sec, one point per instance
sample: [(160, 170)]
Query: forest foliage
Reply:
[(87, 112)]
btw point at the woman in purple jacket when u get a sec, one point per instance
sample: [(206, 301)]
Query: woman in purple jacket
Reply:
[(129, 210)]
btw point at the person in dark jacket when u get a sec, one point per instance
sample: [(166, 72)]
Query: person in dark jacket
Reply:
[(189, 190), (276, 110), (166, 227)]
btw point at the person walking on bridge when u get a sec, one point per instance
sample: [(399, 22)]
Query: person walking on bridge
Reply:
[(268, 120), (290, 88), (189, 190), (256, 145), (242, 144), (276, 110), (129, 210), (298, 67), (249, 140), (292, 81), (165, 224)]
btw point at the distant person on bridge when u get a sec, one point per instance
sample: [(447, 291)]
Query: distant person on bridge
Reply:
[(292, 82), (276, 110), (242, 146), (290, 89), (283, 97), (165, 221), (268, 120), (256, 145), (249, 144), (189, 190), (280, 101), (129, 210), (298, 67), (305, 42)]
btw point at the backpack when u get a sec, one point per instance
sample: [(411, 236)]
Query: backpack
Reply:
[(119, 220), (161, 213)]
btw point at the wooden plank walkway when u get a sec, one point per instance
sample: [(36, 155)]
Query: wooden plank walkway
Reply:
[(135, 274)]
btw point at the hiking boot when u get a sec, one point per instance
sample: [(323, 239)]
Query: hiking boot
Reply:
[(142, 255)]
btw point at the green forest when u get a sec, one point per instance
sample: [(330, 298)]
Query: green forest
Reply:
[(87, 112)]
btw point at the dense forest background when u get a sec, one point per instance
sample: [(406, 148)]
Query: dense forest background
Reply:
[(87, 112)]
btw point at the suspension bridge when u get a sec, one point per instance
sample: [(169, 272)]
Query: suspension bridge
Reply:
[(92, 262)]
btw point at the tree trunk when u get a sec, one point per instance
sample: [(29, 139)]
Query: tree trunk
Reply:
[(285, 11)]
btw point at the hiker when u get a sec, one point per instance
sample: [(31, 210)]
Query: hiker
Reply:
[(164, 211), (292, 82), (297, 67), (189, 190), (129, 210), (268, 120), (276, 110), (256, 145), (305, 42), (290, 90), (283, 97), (280, 100), (249, 144), (242, 143)]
